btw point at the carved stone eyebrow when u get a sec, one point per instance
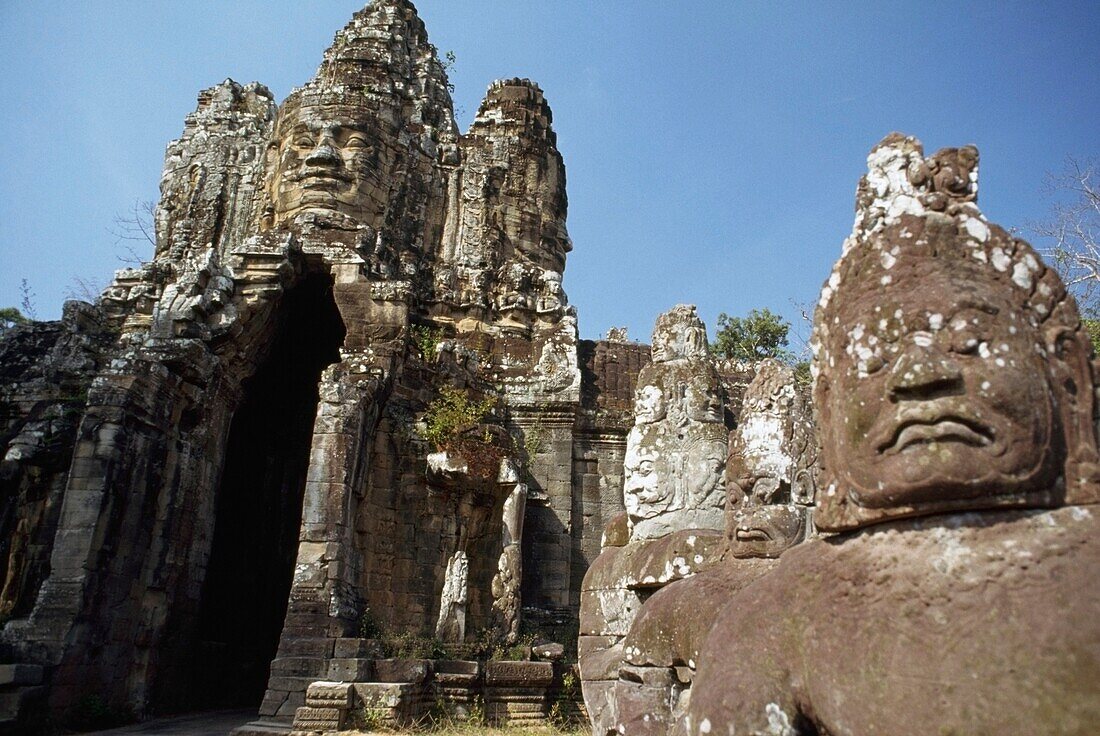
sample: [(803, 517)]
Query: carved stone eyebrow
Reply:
[(978, 306)]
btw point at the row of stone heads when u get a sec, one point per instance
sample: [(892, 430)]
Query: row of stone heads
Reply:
[(951, 372)]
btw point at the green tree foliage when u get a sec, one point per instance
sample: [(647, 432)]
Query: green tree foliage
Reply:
[(1092, 326), (763, 334), (10, 316)]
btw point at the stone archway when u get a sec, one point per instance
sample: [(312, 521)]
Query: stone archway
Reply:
[(259, 501)]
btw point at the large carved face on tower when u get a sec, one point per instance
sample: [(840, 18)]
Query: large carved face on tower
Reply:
[(328, 160), (952, 374)]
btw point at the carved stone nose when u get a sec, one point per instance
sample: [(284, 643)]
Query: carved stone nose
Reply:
[(323, 155), (924, 372)]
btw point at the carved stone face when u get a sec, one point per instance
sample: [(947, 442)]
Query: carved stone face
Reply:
[(766, 530), (649, 405), (679, 333), (644, 493), (327, 156), (704, 468), (935, 388)]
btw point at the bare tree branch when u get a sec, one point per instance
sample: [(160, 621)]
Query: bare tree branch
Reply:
[(1070, 239), (135, 226), (85, 290)]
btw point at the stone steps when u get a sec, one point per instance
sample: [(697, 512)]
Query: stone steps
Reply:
[(22, 696)]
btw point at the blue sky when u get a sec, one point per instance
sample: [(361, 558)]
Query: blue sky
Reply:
[(712, 148)]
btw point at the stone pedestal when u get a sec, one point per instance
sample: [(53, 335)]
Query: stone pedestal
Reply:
[(516, 692)]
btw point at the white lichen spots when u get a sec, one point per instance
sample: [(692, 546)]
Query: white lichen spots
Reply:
[(1000, 362), (935, 322), (953, 554), (980, 255), (1012, 329), (922, 339), (1079, 513), (1001, 261), (698, 559), (1021, 276), (831, 490), (886, 280), (985, 385), (1041, 308), (983, 350), (829, 288), (1044, 289), (888, 260), (704, 726), (779, 724), (691, 663), (976, 229)]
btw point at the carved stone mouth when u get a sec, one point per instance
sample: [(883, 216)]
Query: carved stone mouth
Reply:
[(941, 429), (321, 178), (752, 535)]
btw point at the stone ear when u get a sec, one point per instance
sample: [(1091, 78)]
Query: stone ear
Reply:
[(1071, 375)]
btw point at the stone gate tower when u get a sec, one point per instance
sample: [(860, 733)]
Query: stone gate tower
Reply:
[(218, 469)]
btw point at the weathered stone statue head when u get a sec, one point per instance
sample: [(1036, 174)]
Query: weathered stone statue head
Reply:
[(674, 469), (679, 334), (763, 520), (952, 371), (378, 97)]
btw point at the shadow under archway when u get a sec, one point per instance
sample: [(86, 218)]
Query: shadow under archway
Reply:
[(259, 502)]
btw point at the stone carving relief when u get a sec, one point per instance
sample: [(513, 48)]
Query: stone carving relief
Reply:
[(765, 460), (506, 583), (504, 238), (942, 365), (953, 385), (326, 158), (676, 452)]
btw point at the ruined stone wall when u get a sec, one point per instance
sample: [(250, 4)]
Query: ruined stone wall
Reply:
[(45, 371), (609, 376)]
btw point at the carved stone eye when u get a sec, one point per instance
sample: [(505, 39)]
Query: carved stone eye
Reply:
[(965, 342), (874, 364)]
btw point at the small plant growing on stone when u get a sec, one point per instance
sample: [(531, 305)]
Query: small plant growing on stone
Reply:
[(369, 628), (408, 645), (371, 717), (534, 439), (451, 414), (564, 715), (475, 714), (427, 340)]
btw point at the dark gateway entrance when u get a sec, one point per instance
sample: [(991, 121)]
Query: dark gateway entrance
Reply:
[(259, 506)]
